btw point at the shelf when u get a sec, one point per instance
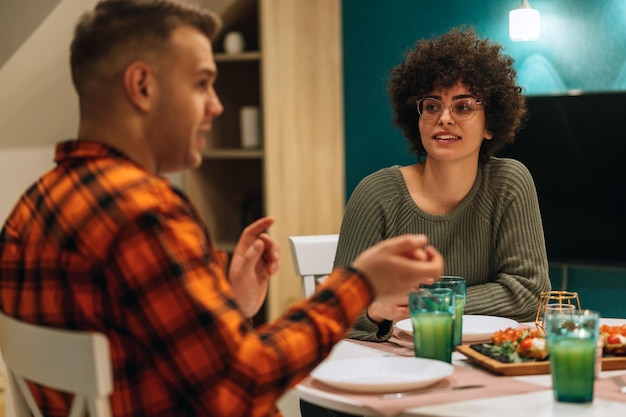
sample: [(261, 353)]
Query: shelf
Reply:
[(233, 153), (243, 56), (292, 50), (226, 246)]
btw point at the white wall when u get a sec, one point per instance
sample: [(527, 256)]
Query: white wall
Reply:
[(38, 103), (19, 167)]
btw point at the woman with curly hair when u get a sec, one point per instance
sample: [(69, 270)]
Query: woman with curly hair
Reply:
[(456, 101)]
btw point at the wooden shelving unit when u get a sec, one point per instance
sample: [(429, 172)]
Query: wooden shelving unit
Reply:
[(291, 69)]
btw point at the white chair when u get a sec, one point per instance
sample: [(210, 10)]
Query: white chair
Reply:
[(313, 257), (77, 362)]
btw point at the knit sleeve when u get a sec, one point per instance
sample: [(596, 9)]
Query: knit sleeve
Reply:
[(520, 257), (364, 219), (363, 226), (365, 329)]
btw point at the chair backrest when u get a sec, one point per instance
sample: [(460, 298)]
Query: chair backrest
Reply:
[(77, 362), (313, 258)]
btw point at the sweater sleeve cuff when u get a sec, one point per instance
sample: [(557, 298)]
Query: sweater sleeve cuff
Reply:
[(366, 329)]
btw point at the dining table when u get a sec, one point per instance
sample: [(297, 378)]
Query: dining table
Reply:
[(497, 396)]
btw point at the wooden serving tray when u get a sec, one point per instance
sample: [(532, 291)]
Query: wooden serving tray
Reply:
[(527, 368)]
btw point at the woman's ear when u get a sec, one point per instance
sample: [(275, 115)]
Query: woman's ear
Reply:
[(139, 85), (487, 135)]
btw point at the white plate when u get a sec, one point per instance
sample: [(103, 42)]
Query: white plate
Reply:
[(475, 327), (478, 328), (612, 322), (405, 325), (381, 374)]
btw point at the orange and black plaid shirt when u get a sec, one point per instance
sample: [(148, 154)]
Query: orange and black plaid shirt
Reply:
[(100, 244)]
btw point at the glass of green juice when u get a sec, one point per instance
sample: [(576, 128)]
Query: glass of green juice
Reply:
[(458, 285), (432, 318), (572, 338)]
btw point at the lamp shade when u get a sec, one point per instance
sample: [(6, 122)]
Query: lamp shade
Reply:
[(524, 24)]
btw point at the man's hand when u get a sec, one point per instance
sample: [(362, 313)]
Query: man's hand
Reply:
[(398, 265), (256, 258)]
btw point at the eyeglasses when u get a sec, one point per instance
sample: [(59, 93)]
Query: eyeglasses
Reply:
[(462, 108)]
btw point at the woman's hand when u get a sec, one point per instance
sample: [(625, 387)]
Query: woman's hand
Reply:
[(392, 310), (397, 308), (255, 260)]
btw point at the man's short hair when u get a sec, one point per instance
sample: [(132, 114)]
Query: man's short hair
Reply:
[(119, 25)]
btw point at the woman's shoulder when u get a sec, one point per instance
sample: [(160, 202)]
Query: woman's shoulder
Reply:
[(384, 173), (381, 178), (504, 181), (506, 172), (506, 164), (379, 187)]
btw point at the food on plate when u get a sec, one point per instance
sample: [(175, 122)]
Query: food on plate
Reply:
[(614, 339), (526, 342), (515, 345)]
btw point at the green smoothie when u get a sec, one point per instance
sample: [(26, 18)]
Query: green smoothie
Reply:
[(572, 367), (458, 287), (458, 320), (432, 332)]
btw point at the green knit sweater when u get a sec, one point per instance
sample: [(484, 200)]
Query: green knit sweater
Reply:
[(493, 238)]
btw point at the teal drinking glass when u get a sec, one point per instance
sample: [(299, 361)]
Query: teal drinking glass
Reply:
[(432, 319), (572, 338), (458, 285)]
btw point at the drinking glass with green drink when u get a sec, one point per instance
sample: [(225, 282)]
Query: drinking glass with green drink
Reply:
[(572, 338), (432, 314), (458, 285)]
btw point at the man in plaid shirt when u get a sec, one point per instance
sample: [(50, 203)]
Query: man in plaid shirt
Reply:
[(102, 242)]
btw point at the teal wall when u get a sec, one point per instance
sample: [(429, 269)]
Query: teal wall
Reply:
[(582, 47), (600, 289)]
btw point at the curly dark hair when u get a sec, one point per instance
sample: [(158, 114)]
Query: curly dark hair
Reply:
[(459, 55)]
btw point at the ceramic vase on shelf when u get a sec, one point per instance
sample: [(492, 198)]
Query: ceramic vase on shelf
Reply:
[(234, 43), (250, 124)]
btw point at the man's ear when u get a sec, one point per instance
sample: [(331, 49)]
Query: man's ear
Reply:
[(139, 85)]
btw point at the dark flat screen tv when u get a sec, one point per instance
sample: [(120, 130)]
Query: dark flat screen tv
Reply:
[(575, 148)]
